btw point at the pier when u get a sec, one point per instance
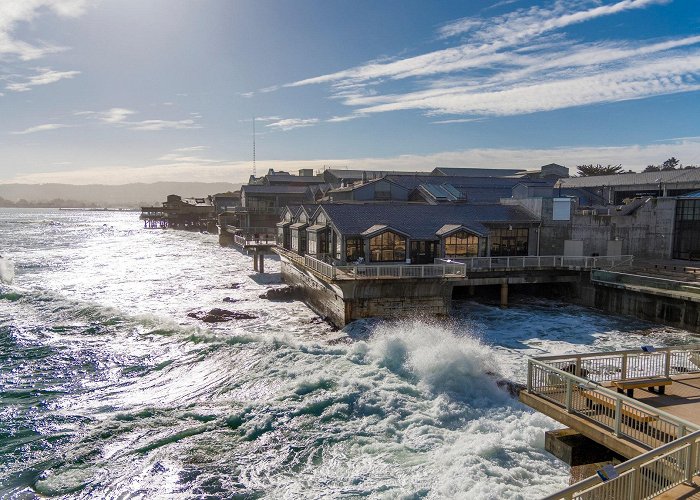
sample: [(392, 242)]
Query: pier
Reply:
[(643, 405), (344, 293), (256, 243)]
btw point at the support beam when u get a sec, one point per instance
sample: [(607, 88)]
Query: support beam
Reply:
[(255, 261), (504, 294), (261, 266)]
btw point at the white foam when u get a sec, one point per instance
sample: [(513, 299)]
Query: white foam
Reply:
[(7, 271)]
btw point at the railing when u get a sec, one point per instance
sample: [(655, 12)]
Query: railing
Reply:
[(379, 271), (293, 256), (543, 262), (255, 239), (444, 268), (319, 266), (645, 476), (625, 417), (622, 365), (614, 278)]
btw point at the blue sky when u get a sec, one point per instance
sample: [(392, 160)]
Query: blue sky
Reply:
[(117, 91)]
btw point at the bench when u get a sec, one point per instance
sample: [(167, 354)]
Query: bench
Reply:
[(638, 383), (630, 416)]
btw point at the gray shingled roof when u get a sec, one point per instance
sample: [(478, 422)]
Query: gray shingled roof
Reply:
[(477, 172), (644, 178), (276, 189), (418, 220)]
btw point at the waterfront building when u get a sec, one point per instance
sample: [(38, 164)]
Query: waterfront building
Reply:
[(409, 233), (181, 213)]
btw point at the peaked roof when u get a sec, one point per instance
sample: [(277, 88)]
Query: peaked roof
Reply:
[(420, 221)]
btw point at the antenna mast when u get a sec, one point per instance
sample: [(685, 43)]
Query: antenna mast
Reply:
[(255, 170)]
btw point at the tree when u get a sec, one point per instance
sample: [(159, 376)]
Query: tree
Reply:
[(591, 170), (670, 164), (652, 168)]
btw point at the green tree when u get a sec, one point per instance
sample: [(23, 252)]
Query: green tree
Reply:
[(591, 170), (670, 164), (652, 168)]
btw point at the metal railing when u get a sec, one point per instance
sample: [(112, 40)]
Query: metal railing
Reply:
[(622, 365), (645, 476), (379, 271), (445, 268), (615, 278), (626, 417), (543, 262), (254, 239)]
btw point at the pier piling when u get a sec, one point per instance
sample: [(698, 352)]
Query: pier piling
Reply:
[(504, 294)]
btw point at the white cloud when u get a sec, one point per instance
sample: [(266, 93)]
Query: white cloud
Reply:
[(14, 12), (521, 62), (44, 76), (633, 156), (40, 128), (118, 117), (153, 125), (191, 148), (292, 123)]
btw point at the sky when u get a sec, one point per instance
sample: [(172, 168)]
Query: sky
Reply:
[(119, 91)]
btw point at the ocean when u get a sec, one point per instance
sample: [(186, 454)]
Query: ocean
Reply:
[(108, 389)]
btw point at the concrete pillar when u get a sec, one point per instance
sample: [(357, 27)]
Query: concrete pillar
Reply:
[(472, 290), (261, 266), (255, 261), (504, 294)]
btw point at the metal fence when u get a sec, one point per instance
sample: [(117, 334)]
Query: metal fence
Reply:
[(642, 477), (543, 262), (625, 417), (615, 278), (445, 268)]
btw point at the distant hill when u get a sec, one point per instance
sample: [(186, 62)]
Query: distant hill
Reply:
[(125, 195)]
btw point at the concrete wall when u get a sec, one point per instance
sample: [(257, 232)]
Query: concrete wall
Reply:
[(646, 233), (323, 299)]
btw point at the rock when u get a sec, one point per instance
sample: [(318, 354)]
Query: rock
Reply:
[(234, 286), (217, 315), (512, 388), (230, 299), (287, 293)]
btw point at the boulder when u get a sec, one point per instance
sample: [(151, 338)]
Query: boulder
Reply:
[(217, 315), (287, 293)]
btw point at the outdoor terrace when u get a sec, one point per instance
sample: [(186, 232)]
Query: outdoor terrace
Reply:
[(660, 432)]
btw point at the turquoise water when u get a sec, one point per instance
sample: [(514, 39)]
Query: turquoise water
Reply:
[(109, 390)]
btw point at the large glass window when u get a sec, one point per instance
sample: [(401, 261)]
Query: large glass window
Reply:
[(509, 241), (686, 238), (354, 249), (312, 242), (387, 247), (462, 244)]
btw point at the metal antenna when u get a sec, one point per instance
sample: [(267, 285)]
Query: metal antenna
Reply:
[(255, 170)]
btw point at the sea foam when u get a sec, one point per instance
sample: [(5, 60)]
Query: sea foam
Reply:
[(7, 271)]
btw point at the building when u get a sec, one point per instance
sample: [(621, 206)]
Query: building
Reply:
[(181, 213), (409, 233)]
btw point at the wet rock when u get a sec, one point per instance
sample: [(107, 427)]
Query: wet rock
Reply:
[(283, 294), (512, 388), (217, 315), (230, 299), (234, 286)]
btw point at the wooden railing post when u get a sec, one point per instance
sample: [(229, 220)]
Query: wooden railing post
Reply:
[(623, 370), (569, 395), (667, 368), (618, 417)]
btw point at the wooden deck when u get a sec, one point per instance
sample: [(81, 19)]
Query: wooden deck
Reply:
[(682, 398)]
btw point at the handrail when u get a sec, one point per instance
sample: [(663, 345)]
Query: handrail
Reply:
[(635, 477), (542, 262), (623, 365), (603, 406), (618, 278)]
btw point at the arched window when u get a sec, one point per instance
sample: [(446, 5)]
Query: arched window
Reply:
[(462, 244), (387, 247)]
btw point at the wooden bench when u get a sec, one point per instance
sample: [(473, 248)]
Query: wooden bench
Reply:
[(630, 416), (637, 383)]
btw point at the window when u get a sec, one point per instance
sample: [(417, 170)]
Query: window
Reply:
[(509, 241), (354, 249), (295, 240), (462, 244), (311, 242), (387, 247), (686, 238)]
